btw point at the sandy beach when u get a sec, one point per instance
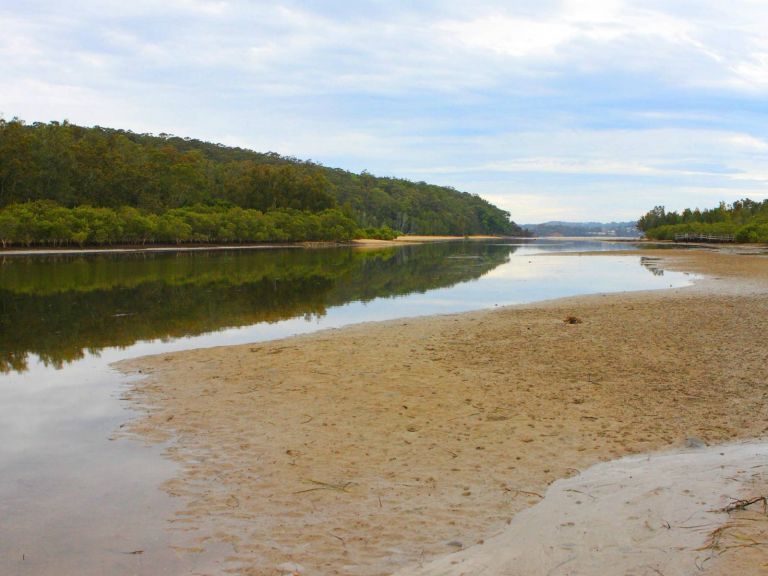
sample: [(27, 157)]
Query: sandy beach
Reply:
[(384, 446)]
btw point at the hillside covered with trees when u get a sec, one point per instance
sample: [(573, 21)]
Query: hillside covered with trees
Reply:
[(64, 184), (746, 219)]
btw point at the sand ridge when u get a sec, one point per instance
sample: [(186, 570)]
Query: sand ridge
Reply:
[(379, 446)]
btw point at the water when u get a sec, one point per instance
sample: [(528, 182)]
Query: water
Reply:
[(73, 501)]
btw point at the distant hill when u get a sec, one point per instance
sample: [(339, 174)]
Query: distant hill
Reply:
[(604, 229), (75, 166)]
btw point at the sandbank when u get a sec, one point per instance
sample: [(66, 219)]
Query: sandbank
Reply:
[(383, 446), (420, 239)]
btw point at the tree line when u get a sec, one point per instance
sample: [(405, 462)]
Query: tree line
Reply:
[(45, 223), (75, 166), (746, 219)]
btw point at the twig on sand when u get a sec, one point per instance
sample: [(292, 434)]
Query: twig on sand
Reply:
[(526, 492), (742, 504), (325, 486)]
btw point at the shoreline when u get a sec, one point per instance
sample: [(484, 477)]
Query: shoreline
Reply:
[(128, 249), (457, 427)]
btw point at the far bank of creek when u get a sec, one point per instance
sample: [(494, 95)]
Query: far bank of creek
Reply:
[(78, 498)]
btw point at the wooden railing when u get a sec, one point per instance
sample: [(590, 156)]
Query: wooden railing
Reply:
[(691, 237)]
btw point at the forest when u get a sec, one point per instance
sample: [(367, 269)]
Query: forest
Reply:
[(63, 184), (746, 219), (46, 223)]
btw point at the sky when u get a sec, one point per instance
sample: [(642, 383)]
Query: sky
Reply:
[(553, 110)]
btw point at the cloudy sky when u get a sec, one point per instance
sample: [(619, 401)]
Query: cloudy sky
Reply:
[(552, 109)]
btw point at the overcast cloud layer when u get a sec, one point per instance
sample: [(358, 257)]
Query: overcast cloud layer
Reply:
[(574, 109)]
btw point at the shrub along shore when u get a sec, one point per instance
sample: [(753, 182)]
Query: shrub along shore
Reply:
[(45, 223), (745, 219)]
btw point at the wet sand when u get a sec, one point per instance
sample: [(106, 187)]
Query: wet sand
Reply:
[(386, 445), (657, 514)]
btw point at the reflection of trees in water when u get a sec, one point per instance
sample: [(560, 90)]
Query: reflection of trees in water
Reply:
[(652, 265), (60, 307)]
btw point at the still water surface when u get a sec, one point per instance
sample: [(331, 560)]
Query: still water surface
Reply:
[(72, 501)]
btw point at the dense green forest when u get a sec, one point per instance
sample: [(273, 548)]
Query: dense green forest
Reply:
[(45, 222), (746, 219), (167, 180)]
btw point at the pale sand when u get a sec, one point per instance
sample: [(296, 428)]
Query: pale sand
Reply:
[(421, 238), (417, 239), (382, 446), (658, 514)]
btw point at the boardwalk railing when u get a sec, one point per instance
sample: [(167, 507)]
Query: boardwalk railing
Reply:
[(691, 237)]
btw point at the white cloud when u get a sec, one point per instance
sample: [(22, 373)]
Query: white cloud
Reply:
[(746, 141), (534, 208), (753, 71), (596, 28), (509, 36), (573, 166)]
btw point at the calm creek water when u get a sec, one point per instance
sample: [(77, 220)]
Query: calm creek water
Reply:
[(73, 501)]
